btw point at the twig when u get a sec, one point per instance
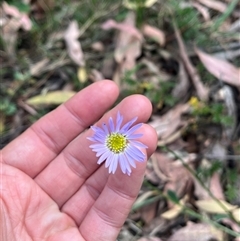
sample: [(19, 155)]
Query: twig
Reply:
[(202, 91)]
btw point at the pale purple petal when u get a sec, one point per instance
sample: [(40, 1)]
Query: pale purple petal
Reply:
[(136, 153), (134, 136), (101, 151), (134, 128), (109, 160), (103, 158), (113, 164), (111, 124), (138, 143), (98, 139), (122, 164), (105, 129), (127, 125), (119, 121), (96, 129), (96, 146), (91, 139), (130, 160)]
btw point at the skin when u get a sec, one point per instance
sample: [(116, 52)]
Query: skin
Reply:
[(51, 187)]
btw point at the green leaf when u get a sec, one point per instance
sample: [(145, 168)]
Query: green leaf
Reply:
[(172, 196)]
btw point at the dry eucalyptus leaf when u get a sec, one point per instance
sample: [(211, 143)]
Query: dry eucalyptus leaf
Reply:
[(197, 232), (73, 45), (125, 27), (236, 214), (213, 4), (96, 75), (216, 187), (126, 41), (135, 5), (82, 74), (221, 69), (22, 18), (149, 239), (172, 212), (154, 33), (203, 10), (51, 98), (170, 122), (212, 206), (38, 68)]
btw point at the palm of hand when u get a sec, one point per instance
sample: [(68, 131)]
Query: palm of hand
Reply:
[(51, 186), (31, 214)]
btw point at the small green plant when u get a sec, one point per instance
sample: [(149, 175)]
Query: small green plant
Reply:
[(7, 107), (231, 179), (211, 113), (159, 96), (206, 172)]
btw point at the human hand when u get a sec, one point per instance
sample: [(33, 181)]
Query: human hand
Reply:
[(51, 187)]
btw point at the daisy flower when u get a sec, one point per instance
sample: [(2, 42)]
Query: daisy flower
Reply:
[(117, 144)]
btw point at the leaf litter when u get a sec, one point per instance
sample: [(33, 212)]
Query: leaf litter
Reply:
[(189, 191)]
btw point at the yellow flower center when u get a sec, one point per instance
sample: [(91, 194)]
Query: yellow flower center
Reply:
[(116, 142)]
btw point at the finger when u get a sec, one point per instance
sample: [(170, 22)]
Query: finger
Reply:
[(113, 205), (43, 141), (92, 188), (77, 161)]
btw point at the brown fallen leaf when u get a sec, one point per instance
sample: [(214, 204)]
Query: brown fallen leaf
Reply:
[(38, 68), (203, 10), (128, 48), (221, 69), (128, 43), (9, 34), (213, 4), (216, 187), (174, 174), (202, 90), (22, 18), (154, 33), (197, 232), (73, 45), (125, 27), (96, 75), (167, 124), (149, 239), (10, 27)]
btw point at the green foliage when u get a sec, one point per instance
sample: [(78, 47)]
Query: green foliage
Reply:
[(160, 95), (206, 172), (22, 7), (190, 24), (7, 107), (172, 196), (231, 179), (214, 112), (205, 75)]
